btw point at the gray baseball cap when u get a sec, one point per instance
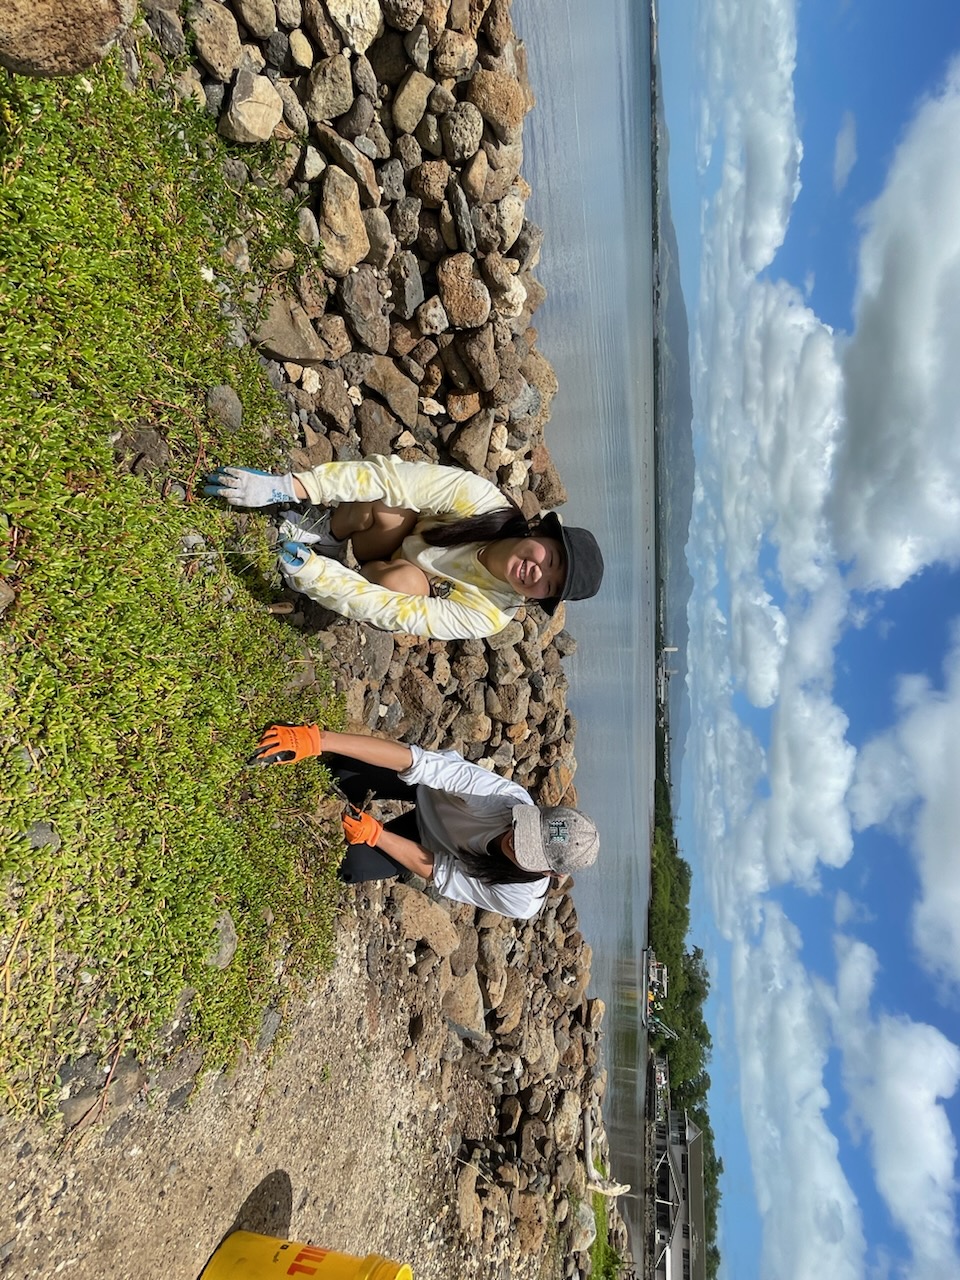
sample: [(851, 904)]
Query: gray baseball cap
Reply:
[(555, 839)]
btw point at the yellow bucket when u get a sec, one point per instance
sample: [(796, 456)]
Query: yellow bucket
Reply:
[(247, 1256)]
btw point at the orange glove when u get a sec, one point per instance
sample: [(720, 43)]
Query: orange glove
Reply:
[(287, 743), (362, 829)]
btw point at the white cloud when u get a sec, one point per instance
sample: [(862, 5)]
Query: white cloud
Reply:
[(811, 765), (897, 496), (770, 388), (781, 467), (884, 786), (896, 1072), (812, 447), (908, 778), (771, 384), (847, 910), (896, 1075), (758, 636), (764, 817), (757, 824), (845, 151), (788, 410), (728, 764), (748, 51), (811, 1222), (816, 623)]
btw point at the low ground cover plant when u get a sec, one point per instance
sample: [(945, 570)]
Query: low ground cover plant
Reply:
[(137, 658), (606, 1263)]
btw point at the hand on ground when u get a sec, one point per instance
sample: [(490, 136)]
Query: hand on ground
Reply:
[(287, 743), (244, 487), (362, 828)]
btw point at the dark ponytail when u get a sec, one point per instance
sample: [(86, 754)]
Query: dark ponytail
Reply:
[(494, 867), (488, 526)]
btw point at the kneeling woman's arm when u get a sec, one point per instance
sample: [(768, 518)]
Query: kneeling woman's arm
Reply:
[(466, 614), (426, 487), (382, 753), (408, 853)]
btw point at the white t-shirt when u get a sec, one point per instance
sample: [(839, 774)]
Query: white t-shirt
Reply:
[(463, 806)]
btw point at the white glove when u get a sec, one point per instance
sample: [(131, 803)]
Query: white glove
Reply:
[(293, 558), (243, 487)]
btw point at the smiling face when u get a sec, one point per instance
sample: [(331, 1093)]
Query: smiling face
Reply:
[(536, 568)]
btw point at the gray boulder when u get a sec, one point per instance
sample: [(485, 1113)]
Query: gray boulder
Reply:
[(60, 37), (340, 222)]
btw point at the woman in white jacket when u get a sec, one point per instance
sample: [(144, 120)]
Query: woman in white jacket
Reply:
[(477, 837), (442, 552)]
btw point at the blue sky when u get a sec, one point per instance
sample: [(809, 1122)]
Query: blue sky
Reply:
[(815, 183)]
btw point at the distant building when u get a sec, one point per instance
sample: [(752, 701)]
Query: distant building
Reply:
[(661, 1088), (680, 1223), (657, 976)]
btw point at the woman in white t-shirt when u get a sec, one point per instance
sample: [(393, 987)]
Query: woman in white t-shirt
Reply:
[(442, 552), (477, 837)]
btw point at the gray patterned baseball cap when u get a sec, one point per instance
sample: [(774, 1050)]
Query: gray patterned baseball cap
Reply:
[(556, 839)]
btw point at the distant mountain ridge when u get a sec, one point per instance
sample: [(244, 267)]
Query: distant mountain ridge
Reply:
[(673, 434)]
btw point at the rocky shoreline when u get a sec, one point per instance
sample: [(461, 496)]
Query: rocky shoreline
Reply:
[(400, 124), (416, 338)]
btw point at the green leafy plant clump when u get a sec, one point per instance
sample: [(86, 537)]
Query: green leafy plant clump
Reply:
[(606, 1263), (137, 658)]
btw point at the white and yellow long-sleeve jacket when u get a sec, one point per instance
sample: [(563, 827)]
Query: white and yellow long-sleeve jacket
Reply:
[(474, 604)]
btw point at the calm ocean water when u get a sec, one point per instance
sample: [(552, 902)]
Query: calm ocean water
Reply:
[(587, 159)]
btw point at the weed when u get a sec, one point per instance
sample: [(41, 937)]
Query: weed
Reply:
[(606, 1263), (133, 679)]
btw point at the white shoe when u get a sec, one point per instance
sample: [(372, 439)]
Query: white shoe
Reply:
[(312, 528)]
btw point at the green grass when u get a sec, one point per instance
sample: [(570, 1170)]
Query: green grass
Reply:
[(134, 679), (606, 1263)]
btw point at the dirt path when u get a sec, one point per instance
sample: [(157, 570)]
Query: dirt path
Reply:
[(337, 1141)]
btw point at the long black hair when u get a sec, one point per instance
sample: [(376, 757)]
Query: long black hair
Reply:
[(488, 526), (494, 867)]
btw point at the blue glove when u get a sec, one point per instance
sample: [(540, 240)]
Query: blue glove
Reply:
[(293, 558), (243, 487)]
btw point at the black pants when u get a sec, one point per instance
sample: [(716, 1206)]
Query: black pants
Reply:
[(357, 780)]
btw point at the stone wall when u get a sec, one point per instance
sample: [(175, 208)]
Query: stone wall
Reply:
[(401, 127)]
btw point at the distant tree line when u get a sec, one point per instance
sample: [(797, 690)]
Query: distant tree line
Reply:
[(687, 989)]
